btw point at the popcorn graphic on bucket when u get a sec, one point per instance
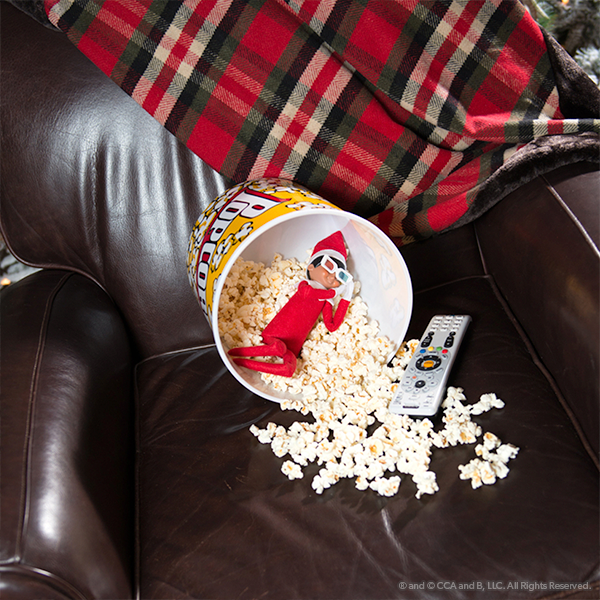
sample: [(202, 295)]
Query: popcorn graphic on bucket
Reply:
[(230, 219), (257, 219)]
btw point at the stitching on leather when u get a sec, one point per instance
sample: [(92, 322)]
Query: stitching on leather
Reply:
[(175, 352), (572, 215), (445, 283), (536, 359), (136, 398), (545, 372), (25, 477), (480, 250), (45, 578)]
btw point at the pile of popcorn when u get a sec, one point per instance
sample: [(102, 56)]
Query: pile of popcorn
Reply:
[(345, 382)]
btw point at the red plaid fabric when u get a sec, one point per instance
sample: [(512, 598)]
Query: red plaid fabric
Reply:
[(394, 110)]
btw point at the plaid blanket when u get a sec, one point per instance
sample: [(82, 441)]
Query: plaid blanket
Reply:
[(397, 110)]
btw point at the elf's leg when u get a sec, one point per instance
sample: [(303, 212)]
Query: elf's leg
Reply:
[(285, 368), (272, 347)]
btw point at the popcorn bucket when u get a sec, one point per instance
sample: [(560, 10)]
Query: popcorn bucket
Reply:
[(256, 220)]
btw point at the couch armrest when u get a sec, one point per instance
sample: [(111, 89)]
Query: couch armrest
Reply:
[(540, 244), (66, 493)]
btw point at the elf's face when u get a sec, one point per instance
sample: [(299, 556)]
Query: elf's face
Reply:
[(323, 276)]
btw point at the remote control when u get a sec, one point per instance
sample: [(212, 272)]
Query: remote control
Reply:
[(422, 387)]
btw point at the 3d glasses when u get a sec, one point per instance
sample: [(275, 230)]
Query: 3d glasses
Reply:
[(330, 266)]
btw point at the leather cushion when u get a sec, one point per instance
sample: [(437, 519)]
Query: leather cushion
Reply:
[(218, 519)]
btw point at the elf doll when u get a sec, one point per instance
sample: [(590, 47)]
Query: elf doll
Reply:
[(326, 278)]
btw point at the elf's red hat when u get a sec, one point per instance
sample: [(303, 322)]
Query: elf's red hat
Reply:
[(333, 246)]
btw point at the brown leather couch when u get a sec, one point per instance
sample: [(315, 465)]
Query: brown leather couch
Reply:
[(128, 469)]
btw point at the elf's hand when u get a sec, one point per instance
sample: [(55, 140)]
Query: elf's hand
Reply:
[(348, 291)]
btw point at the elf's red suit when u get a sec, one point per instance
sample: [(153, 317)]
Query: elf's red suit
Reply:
[(288, 330)]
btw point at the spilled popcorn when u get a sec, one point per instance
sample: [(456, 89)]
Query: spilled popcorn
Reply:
[(491, 465), (344, 381)]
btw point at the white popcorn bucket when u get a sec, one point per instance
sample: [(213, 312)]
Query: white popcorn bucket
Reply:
[(258, 219)]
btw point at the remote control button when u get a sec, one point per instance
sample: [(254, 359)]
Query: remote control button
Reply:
[(421, 383), (428, 362)]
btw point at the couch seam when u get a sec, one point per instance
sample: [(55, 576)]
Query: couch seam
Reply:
[(452, 281), (137, 551), (48, 578), (48, 265), (137, 538), (544, 371), (522, 333), (27, 449), (572, 215), (174, 352)]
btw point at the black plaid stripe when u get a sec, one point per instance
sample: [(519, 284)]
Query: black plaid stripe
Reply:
[(141, 48), (395, 76), (340, 24), (208, 70), (79, 17), (281, 89), (338, 125)]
